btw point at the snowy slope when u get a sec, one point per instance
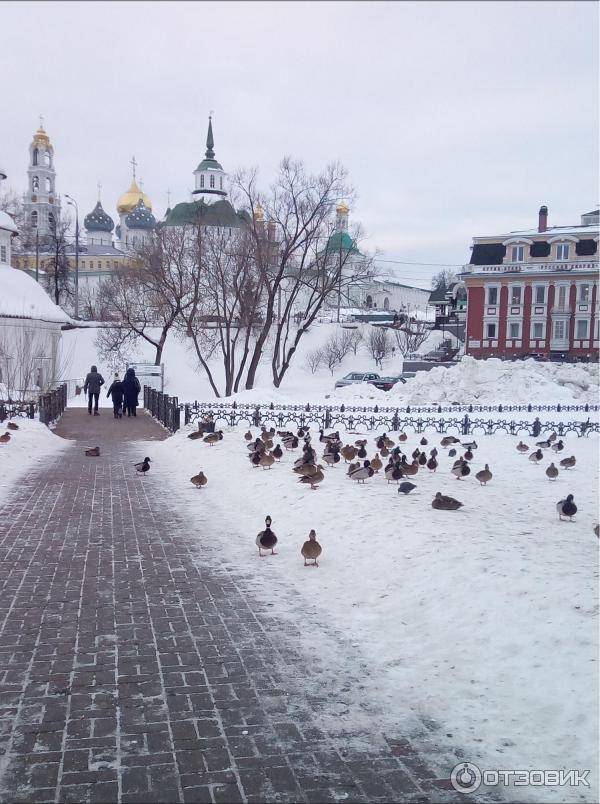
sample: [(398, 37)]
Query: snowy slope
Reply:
[(23, 297)]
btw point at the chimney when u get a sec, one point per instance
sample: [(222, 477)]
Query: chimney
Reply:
[(543, 219)]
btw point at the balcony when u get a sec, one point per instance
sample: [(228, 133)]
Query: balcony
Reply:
[(562, 309), (533, 267)]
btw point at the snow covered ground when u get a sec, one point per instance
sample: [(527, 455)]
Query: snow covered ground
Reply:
[(483, 620)]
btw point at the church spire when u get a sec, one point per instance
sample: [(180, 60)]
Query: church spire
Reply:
[(210, 143)]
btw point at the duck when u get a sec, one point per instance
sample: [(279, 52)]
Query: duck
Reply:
[(415, 453), (402, 437), (5, 438), (536, 456), (432, 464), (597, 530), (451, 452), (406, 487), (277, 452), (484, 476), (268, 443), (552, 472), (213, 438), (543, 444), (552, 437), (558, 447), (447, 441), (248, 436), (410, 469), (469, 444), (331, 457), (311, 550), (568, 463), (324, 439), (380, 442), (362, 452), (376, 463), (266, 539), (566, 507), (352, 468), (12, 426), (305, 469), (468, 456), (255, 459), (443, 503), (422, 459), (197, 434), (349, 453), (384, 452), (433, 452), (424, 442), (199, 480), (266, 460), (93, 452), (142, 467), (394, 472), (387, 442), (258, 445), (361, 442), (462, 470), (302, 432), (291, 442), (313, 479), (521, 447), (362, 472)]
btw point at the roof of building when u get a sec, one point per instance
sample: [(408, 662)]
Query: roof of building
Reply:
[(340, 241), (141, 217), (7, 223), (439, 295), (98, 221), (209, 162), (382, 280), (91, 250), (219, 213), (22, 297)]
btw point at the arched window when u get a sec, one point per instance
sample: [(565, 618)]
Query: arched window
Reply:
[(35, 184), (369, 301), (51, 221), (386, 303), (47, 159), (220, 182), (35, 156), (202, 181), (48, 185), (212, 181), (34, 218)]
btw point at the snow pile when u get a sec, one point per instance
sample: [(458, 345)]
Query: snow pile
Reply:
[(482, 620), (22, 297), (28, 448)]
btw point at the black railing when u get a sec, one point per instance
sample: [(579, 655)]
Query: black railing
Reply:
[(53, 404), (11, 410), (163, 407), (375, 418)]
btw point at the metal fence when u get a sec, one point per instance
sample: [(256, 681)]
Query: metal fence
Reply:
[(53, 404), (163, 407)]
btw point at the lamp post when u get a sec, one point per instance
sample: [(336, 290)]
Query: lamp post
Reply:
[(73, 203)]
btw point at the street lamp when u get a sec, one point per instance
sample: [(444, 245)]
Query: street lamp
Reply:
[(73, 203)]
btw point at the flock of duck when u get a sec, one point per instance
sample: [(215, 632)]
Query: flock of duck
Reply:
[(391, 459)]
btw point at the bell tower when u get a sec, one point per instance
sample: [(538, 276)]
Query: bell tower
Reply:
[(42, 206)]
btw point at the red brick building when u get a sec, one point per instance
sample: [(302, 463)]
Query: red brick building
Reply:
[(535, 291)]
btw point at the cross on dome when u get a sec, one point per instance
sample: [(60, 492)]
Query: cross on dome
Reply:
[(133, 164)]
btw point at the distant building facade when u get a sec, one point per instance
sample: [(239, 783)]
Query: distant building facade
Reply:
[(535, 291)]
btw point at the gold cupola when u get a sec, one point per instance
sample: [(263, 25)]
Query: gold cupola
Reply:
[(342, 208), (259, 213), (40, 138), (129, 200)]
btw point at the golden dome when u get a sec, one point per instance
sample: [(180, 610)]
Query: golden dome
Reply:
[(342, 208), (41, 138), (259, 213), (128, 201)]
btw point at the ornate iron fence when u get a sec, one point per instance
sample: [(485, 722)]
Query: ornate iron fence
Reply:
[(12, 410), (163, 407), (53, 404)]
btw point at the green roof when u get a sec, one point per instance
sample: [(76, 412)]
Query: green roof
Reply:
[(220, 213), (340, 241), (209, 164)]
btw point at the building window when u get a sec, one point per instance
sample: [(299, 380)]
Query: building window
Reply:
[(83, 265), (386, 303), (515, 295), (35, 156), (559, 330), (369, 301), (581, 330), (35, 184), (517, 253), (2, 253), (537, 330), (202, 181), (562, 251), (212, 181), (514, 330), (584, 293), (220, 182), (491, 331), (492, 294), (34, 218), (51, 220), (115, 264), (540, 294), (561, 297)]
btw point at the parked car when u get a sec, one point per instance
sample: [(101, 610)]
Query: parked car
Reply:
[(436, 356), (371, 378), (387, 383)]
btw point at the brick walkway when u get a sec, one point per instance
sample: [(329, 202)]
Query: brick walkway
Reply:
[(134, 668)]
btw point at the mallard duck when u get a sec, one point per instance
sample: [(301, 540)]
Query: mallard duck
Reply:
[(380, 442), (410, 469), (433, 452), (305, 469), (468, 456), (469, 444), (314, 479), (255, 459), (332, 457), (12, 426), (484, 476), (213, 438), (566, 507), (402, 437), (384, 452), (415, 454), (568, 463), (352, 468), (93, 452), (443, 503), (362, 472), (376, 463), (349, 453), (142, 467), (424, 442), (451, 452), (406, 487), (394, 472), (521, 447), (558, 447), (266, 539), (278, 452), (266, 460), (196, 435), (536, 456), (432, 464), (462, 470), (268, 443), (199, 480), (311, 550), (4, 438), (362, 452), (552, 472), (388, 442), (447, 441), (291, 442), (258, 445), (248, 436), (361, 442), (543, 444), (422, 459), (552, 437)]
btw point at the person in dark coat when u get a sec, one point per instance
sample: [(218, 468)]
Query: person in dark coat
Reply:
[(116, 391), (131, 389), (93, 382)]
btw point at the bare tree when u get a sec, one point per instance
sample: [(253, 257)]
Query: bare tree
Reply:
[(378, 343), (411, 336), (356, 338), (56, 260), (444, 278), (314, 359)]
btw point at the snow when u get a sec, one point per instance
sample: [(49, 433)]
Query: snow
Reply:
[(29, 446), (482, 620), (6, 222), (22, 297)]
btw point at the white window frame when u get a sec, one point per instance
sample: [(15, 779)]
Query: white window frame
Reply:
[(487, 295), (511, 289), (487, 334), (585, 321), (563, 324), (535, 337), (509, 325), (202, 180), (544, 288), (212, 181), (562, 252), (557, 292), (588, 297), (518, 253)]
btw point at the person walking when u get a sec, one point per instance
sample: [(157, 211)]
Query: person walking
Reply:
[(93, 382), (131, 389), (116, 391)]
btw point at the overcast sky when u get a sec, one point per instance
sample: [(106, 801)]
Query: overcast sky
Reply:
[(453, 119)]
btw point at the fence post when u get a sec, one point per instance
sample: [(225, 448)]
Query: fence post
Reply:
[(465, 425), (537, 427)]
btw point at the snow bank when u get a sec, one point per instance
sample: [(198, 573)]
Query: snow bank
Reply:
[(28, 448), (23, 297)]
